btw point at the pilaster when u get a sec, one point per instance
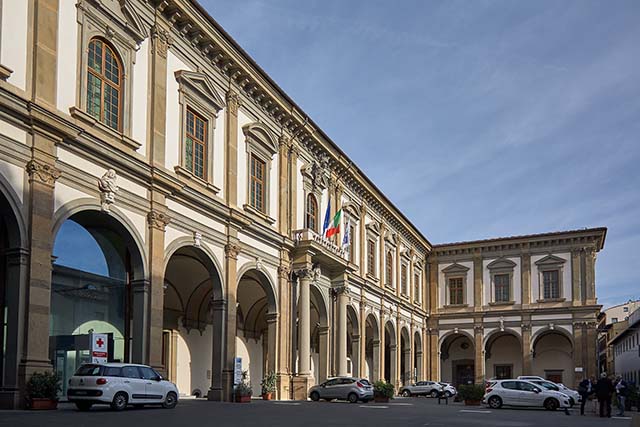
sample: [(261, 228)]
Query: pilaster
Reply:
[(231, 251), (477, 282), (283, 370), (479, 353), (45, 56), (525, 281), (157, 220), (283, 185), (526, 347), (231, 151), (160, 42)]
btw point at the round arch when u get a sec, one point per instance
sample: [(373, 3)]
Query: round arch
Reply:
[(13, 213), (457, 358), (493, 335), (503, 354), (448, 334), (535, 337), (265, 280)]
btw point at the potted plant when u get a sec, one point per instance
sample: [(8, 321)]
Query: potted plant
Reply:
[(382, 391), (243, 390), (472, 394), (268, 385), (42, 390)]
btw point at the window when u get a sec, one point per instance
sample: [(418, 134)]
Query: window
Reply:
[(388, 278), (148, 373), (511, 385), (352, 244), (527, 387), (312, 213), (614, 320), (456, 293), (503, 372), (416, 287), (625, 309), (502, 285), (257, 184), (195, 146), (104, 84), (371, 257), (551, 284), (130, 372), (403, 279)]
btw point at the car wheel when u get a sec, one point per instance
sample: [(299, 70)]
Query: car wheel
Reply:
[(315, 396), (119, 401), (170, 401), (434, 393), (495, 402), (551, 404), (406, 393), (352, 398), (83, 406), (447, 394)]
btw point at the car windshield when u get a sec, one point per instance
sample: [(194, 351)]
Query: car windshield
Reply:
[(89, 371), (548, 386), (364, 382)]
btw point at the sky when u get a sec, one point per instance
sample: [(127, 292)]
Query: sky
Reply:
[(476, 118)]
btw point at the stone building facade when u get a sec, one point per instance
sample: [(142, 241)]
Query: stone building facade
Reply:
[(158, 187)]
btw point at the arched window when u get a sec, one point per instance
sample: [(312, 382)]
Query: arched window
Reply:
[(389, 269), (312, 213), (104, 84)]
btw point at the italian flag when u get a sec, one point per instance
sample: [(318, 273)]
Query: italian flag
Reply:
[(334, 228)]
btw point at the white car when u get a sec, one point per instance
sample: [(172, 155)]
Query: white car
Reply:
[(574, 396), (119, 385), (448, 389), (523, 393)]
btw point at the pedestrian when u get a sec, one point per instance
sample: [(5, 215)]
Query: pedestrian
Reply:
[(604, 391), (585, 388), (622, 390)]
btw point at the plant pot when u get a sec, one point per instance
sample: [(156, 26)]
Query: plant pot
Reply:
[(267, 396), (472, 402), (43, 404), (243, 399), (381, 399)]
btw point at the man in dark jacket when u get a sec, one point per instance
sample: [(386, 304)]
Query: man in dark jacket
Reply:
[(604, 391), (585, 388)]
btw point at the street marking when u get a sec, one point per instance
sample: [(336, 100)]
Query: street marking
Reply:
[(475, 411), (621, 418), (288, 404), (401, 404), (374, 407)]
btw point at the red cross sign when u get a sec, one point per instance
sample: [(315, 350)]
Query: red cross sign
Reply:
[(99, 352), (100, 342)]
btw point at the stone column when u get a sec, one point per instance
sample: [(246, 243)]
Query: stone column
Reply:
[(231, 144), (157, 221), (381, 349), (283, 186), (412, 355), (355, 356), (160, 42), (477, 282), (479, 356), (526, 279), (272, 344), (231, 251), (576, 278), (341, 327), (283, 370), (363, 341), (219, 308), (304, 323), (590, 276), (140, 325), (323, 357), (42, 178), (526, 348), (434, 356)]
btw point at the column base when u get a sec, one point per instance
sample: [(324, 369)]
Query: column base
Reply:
[(215, 394), (283, 387), (301, 386)]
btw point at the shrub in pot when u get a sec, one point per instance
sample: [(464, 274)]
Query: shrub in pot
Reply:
[(42, 390), (383, 391), (268, 386), (472, 394), (243, 390)]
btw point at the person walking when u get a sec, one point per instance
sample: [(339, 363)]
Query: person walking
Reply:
[(604, 391), (622, 390), (585, 388)]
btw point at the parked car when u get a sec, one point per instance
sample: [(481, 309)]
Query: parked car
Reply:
[(574, 396), (119, 385), (343, 388), (523, 393), (421, 388), (448, 389)]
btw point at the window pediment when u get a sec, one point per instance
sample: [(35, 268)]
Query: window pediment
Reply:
[(352, 210), (200, 85), (123, 13), (550, 261), (315, 175), (502, 264), (374, 228), (261, 137), (455, 268)]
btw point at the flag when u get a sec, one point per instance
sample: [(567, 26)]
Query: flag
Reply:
[(346, 238), (327, 215), (335, 225)]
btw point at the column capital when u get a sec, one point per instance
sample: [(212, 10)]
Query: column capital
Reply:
[(42, 172), (284, 272), (158, 220), (231, 250), (161, 40), (17, 256), (140, 285), (233, 101)]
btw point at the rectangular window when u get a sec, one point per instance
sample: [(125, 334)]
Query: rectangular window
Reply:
[(502, 285), (195, 145), (503, 372), (403, 279), (352, 244), (257, 186), (416, 287), (551, 284), (455, 291), (371, 257)]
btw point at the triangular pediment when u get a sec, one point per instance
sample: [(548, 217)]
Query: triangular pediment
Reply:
[(202, 86), (550, 260), (374, 227), (455, 268), (501, 263), (122, 12)]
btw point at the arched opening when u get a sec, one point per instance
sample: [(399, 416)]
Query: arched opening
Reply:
[(372, 349), (312, 212), (390, 356), (503, 356), (97, 287), (457, 360), (552, 357), (406, 376), (192, 286), (319, 321), (12, 280), (353, 342), (256, 326), (417, 356)]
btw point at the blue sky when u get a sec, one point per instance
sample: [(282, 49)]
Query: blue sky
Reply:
[(476, 118)]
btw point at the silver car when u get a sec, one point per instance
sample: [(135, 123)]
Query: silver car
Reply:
[(344, 388), (421, 388), (523, 393)]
